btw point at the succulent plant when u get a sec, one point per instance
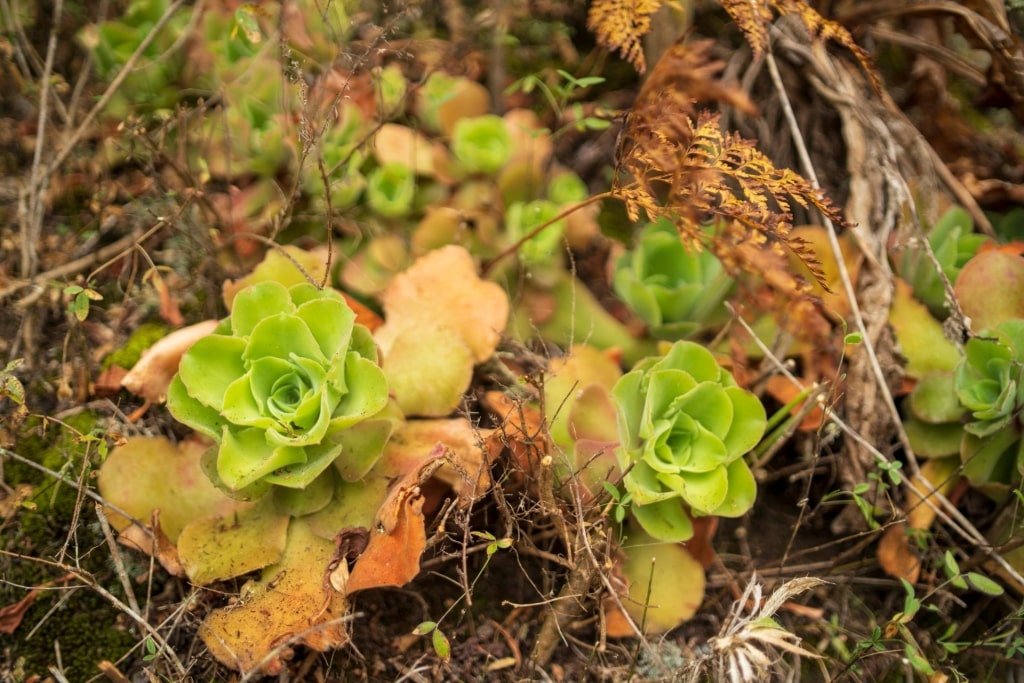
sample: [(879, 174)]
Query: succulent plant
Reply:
[(684, 427), (112, 44), (390, 189), (675, 290), (989, 382), (989, 378), (481, 144), (954, 242), (523, 217), (279, 385)]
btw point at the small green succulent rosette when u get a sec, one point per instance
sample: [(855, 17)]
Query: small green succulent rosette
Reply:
[(989, 382), (675, 290), (684, 427), (282, 385)]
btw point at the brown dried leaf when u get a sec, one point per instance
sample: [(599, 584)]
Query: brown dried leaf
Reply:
[(292, 604), (620, 24), (153, 373), (443, 288), (403, 145), (12, 615), (895, 555), (392, 556)]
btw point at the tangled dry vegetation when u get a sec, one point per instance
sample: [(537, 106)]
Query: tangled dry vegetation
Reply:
[(434, 341)]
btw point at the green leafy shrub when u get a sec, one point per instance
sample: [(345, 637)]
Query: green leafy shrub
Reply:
[(277, 386), (684, 426)]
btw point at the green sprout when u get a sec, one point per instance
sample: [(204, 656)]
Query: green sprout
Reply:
[(675, 290), (278, 385), (684, 427)]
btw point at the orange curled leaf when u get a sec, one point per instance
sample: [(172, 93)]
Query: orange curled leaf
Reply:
[(392, 557), (399, 535)]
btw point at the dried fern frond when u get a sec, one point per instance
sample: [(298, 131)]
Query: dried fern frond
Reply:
[(675, 162), (620, 24), (750, 644), (753, 18)]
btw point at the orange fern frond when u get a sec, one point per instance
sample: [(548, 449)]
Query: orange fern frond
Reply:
[(620, 24), (754, 16), (677, 163)]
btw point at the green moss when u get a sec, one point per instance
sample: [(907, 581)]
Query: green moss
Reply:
[(145, 336), (85, 626)]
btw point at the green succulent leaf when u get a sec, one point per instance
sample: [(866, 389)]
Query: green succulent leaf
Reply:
[(989, 381), (210, 365)]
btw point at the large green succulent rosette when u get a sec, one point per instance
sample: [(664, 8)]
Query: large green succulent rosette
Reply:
[(281, 385), (684, 426)]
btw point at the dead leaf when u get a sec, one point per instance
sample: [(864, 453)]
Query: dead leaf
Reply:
[(522, 431), (443, 289), (164, 550), (464, 470), (392, 556), (442, 299), (153, 373), (292, 604), (403, 145), (665, 586), (11, 615), (225, 546), (146, 474), (783, 390), (109, 382), (895, 555), (169, 310), (288, 265)]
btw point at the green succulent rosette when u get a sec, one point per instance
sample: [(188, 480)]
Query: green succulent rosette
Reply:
[(280, 385), (989, 382), (684, 426), (675, 290)]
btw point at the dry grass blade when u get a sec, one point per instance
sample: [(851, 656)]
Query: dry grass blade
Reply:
[(750, 645)]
